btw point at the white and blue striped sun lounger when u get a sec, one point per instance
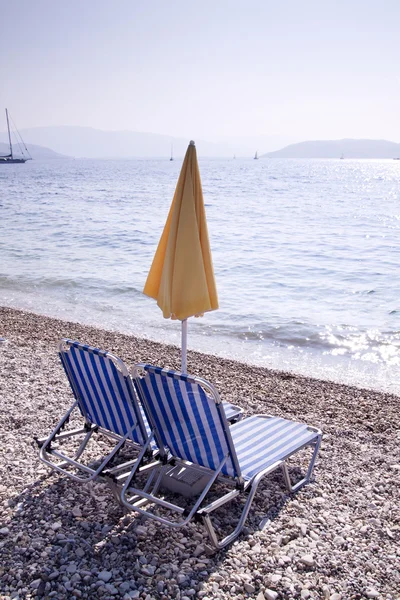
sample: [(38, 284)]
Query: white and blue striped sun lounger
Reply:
[(105, 396), (190, 427)]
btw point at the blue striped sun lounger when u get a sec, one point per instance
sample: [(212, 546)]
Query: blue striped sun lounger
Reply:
[(106, 398), (190, 427)]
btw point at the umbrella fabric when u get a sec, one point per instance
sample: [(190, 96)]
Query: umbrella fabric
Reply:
[(181, 277)]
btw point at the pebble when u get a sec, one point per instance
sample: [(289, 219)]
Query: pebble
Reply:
[(371, 593), (264, 523), (124, 586), (339, 541), (307, 560), (35, 584), (270, 594), (198, 550), (104, 576), (149, 570), (141, 531)]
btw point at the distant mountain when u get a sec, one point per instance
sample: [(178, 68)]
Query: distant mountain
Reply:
[(37, 152), (87, 142), (337, 148), (93, 143)]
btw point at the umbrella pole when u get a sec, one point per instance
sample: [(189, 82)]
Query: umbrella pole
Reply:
[(184, 346)]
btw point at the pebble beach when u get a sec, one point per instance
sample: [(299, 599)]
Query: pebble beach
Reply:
[(336, 539)]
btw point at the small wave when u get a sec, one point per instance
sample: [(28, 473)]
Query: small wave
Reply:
[(88, 285), (339, 340)]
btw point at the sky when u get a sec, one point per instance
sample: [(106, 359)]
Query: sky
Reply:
[(302, 69)]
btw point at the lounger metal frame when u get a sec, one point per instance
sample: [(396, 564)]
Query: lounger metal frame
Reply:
[(139, 499)]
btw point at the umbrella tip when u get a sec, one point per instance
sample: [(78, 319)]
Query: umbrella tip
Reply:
[(192, 143)]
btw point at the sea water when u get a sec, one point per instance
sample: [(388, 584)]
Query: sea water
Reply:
[(306, 257)]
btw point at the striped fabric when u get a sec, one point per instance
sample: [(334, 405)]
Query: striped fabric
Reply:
[(261, 441), (188, 422), (193, 428), (105, 395)]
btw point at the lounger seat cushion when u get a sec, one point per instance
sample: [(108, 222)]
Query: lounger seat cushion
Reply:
[(261, 441)]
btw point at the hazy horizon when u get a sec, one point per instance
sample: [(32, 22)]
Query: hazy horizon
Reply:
[(214, 71), (86, 142)]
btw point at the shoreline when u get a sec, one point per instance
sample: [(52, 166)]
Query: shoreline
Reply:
[(302, 356), (159, 351), (345, 521)]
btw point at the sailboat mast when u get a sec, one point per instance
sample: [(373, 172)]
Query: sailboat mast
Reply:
[(9, 134)]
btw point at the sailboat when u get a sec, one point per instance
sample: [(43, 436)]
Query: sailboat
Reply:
[(172, 156), (256, 156), (9, 158)]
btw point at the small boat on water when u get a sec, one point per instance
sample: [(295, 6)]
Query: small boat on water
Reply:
[(10, 158), (341, 156), (256, 155), (172, 155)]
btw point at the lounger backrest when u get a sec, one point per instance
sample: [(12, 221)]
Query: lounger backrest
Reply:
[(104, 390), (187, 419)]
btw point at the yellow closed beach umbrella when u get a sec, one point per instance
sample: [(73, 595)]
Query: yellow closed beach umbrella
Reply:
[(181, 277)]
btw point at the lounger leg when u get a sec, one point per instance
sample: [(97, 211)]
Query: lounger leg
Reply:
[(138, 501), (115, 482), (205, 513), (67, 461), (294, 488), (78, 453), (133, 503), (45, 445), (115, 486), (46, 453)]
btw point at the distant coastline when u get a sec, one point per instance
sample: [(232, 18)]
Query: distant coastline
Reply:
[(87, 142), (37, 152), (342, 149)]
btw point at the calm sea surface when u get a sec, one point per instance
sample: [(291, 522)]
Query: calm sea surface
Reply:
[(306, 256)]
